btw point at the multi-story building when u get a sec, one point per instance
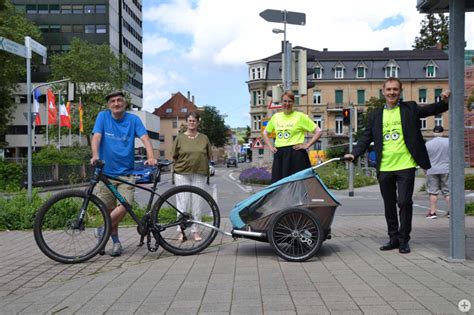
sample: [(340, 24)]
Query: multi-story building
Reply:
[(172, 117), (116, 23), (342, 79)]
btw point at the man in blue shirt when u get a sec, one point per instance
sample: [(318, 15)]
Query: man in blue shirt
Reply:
[(114, 143)]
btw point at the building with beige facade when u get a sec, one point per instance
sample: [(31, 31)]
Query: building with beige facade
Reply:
[(343, 79), (172, 116)]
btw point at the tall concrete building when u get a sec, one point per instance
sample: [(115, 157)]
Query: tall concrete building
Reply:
[(117, 23)]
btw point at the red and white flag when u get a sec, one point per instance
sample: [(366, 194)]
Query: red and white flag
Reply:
[(64, 115), (52, 110), (36, 95)]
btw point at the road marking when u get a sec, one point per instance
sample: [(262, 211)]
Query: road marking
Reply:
[(246, 189)]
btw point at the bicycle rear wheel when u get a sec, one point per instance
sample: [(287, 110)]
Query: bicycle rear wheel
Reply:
[(199, 205), (63, 236)]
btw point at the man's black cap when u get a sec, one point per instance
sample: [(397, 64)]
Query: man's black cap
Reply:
[(114, 93), (438, 129)]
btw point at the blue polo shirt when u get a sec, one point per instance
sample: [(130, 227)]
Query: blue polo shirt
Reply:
[(117, 144)]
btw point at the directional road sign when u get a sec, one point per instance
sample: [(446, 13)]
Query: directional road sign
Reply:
[(12, 47), (30, 43), (289, 17)]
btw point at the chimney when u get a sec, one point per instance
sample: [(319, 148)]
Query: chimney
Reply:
[(189, 96), (325, 49), (193, 100), (439, 46), (386, 49)]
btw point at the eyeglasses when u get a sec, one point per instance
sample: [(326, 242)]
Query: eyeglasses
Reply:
[(287, 101)]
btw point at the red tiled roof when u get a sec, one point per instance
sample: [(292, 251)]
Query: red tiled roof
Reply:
[(173, 107)]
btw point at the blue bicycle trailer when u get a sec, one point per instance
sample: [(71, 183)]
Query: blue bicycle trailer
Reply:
[(294, 215)]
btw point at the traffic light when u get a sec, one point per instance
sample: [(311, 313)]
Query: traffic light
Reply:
[(346, 116)]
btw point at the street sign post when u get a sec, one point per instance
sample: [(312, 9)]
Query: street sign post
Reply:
[(12, 47), (32, 45), (278, 16)]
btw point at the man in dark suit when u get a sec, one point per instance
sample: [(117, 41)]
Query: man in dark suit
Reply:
[(399, 148)]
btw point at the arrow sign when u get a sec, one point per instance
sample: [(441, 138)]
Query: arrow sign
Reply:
[(12, 47), (278, 16), (36, 47)]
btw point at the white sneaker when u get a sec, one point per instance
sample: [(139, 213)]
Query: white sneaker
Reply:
[(116, 250)]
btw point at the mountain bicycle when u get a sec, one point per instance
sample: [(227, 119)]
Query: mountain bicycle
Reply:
[(65, 226)]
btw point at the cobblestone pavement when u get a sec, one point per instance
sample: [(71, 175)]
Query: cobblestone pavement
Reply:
[(349, 276)]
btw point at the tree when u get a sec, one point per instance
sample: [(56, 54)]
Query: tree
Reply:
[(96, 71), (213, 126), (12, 70), (434, 30), (371, 104)]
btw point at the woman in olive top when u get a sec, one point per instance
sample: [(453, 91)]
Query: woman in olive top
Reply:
[(290, 151), (191, 153)]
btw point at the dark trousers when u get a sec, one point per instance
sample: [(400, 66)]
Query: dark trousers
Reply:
[(404, 182), (287, 161)]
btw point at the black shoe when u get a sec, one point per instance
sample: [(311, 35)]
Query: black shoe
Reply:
[(390, 245), (404, 248)]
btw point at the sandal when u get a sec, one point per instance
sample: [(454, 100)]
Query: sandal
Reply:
[(197, 237), (181, 237)]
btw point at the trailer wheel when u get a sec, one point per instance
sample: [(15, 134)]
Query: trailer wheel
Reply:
[(295, 234)]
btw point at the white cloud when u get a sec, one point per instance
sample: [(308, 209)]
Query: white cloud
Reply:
[(154, 44), (158, 86)]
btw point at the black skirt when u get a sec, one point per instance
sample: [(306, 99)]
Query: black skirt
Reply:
[(287, 161)]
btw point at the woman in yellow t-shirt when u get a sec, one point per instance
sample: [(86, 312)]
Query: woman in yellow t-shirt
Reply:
[(289, 150)]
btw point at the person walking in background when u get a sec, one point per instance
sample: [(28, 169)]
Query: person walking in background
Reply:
[(438, 175), (289, 151), (191, 154), (399, 148), (113, 141)]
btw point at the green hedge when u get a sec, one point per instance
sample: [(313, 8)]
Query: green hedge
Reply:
[(469, 181), (10, 176), (17, 212)]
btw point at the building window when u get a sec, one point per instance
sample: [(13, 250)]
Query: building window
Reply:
[(66, 28), (21, 9), (254, 98), (175, 124), (89, 9), (100, 29), (422, 95), (422, 123), (43, 9), (54, 9), (78, 28), (89, 29), (317, 73), (66, 9), (54, 28), (169, 110), (317, 97), (317, 146), (339, 98), (318, 120), (31, 9), (174, 138), (339, 126), (65, 47), (257, 73), (162, 153), (360, 72), (339, 73), (252, 75), (297, 97), (77, 9), (257, 122), (100, 8), (391, 71), (259, 98), (43, 28), (437, 93), (431, 71), (184, 110), (438, 120), (360, 97)]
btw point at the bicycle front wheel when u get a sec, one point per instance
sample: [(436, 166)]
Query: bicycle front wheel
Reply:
[(61, 233), (178, 234)]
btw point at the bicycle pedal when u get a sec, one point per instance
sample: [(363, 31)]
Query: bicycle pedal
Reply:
[(102, 252)]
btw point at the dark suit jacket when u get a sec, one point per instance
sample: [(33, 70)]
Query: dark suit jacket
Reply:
[(410, 113)]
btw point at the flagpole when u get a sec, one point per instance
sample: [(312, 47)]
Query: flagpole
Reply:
[(70, 123), (47, 117), (59, 122), (80, 108)]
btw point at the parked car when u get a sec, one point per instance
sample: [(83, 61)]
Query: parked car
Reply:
[(143, 173), (212, 168), (242, 159), (231, 162)]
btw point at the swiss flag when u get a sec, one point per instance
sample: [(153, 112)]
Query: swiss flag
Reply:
[(52, 110), (64, 115)]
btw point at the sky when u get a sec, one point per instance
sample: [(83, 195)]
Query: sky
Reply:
[(202, 46)]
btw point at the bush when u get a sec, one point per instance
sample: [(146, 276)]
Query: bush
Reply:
[(256, 175), (67, 155), (337, 177), (469, 181), (18, 212), (469, 208), (10, 176)]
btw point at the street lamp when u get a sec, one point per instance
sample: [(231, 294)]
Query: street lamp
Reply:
[(285, 59)]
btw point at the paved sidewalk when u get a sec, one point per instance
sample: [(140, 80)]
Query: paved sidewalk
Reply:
[(349, 276)]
